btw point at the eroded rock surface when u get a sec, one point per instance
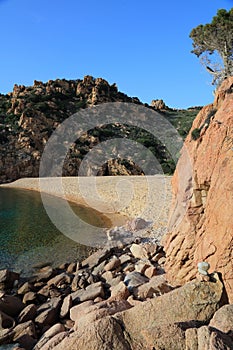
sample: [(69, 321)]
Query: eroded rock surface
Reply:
[(201, 224)]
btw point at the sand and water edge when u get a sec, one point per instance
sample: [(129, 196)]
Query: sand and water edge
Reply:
[(116, 198)]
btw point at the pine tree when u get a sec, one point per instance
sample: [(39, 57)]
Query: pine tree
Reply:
[(213, 43)]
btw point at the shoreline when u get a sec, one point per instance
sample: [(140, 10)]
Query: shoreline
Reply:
[(117, 198)]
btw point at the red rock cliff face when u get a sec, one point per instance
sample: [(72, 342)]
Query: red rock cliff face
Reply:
[(201, 222)]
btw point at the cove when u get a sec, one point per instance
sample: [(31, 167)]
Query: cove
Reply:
[(29, 238)]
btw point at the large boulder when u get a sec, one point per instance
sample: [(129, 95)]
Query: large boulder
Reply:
[(207, 337), (104, 334), (223, 319), (149, 323), (201, 222)]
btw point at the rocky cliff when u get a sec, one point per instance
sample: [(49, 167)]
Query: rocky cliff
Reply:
[(201, 223), (29, 115)]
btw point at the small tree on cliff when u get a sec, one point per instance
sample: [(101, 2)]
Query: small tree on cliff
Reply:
[(213, 43)]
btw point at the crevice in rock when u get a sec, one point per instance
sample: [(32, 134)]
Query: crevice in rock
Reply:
[(224, 299), (125, 334)]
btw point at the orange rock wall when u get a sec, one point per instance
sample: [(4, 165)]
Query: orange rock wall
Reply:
[(201, 221)]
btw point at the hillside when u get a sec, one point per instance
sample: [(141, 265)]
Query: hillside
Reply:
[(29, 115)]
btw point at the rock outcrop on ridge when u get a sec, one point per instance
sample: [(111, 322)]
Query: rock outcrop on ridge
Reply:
[(201, 222), (30, 114)]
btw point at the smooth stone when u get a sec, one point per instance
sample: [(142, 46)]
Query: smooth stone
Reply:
[(44, 291), (50, 333), (119, 292), (112, 264), (157, 285), (134, 279), (90, 293), (26, 287), (157, 257), (88, 315), (141, 266), (203, 267), (44, 274), (27, 314), (97, 258), (150, 272), (76, 310), (223, 319), (59, 279), (11, 305), (108, 276), (125, 258), (29, 298), (139, 251), (49, 312), (25, 334), (54, 341), (66, 305), (72, 267)]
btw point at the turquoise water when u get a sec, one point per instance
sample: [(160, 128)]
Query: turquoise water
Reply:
[(28, 237)]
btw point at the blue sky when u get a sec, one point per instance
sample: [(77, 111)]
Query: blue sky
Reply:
[(142, 46)]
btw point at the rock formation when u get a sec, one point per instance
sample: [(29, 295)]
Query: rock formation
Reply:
[(201, 223), (29, 115), (158, 104)]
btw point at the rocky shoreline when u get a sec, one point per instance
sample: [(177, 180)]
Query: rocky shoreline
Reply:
[(109, 294), (34, 310)]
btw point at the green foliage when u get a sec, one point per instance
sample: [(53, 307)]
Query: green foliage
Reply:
[(42, 106), (195, 134), (80, 104), (210, 115), (182, 119), (133, 133), (12, 119), (215, 37), (5, 104), (32, 97), (168, 167), (53, 106)]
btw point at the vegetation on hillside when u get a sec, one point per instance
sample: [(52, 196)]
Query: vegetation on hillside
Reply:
[(29, 115)]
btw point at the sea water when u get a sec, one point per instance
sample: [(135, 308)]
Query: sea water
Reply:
[(29, 238)]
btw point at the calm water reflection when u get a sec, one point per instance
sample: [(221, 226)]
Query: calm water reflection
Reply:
[(27, 236)]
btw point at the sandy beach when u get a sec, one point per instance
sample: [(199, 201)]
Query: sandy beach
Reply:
[(117, 197)]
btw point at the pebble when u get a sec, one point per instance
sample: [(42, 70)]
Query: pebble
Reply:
[(203, 268), (112, 264)]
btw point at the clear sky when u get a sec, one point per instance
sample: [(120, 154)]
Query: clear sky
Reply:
[(142, 46)]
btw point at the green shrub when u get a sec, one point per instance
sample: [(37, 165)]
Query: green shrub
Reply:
[(42, 106), (196, 134)]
